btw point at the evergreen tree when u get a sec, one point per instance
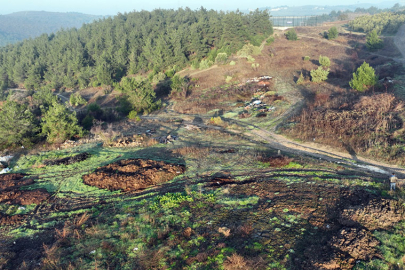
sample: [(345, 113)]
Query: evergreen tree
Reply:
[(373, 41), (17, 124), (60, 124), (363, 78)]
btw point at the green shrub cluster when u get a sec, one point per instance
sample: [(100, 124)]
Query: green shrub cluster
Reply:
[(205, 63), (363, 78), (76, 99), (386, 22), (319, 74), (221, 58), (291, 34), (373, 42), (332, 33), (324, 61), (248, 50)]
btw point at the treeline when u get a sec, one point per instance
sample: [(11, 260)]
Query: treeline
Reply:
[(386, 22), (103, 52)]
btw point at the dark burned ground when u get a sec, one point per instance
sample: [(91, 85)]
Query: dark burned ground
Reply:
[(133, 174), (67, 160), (337, 221)]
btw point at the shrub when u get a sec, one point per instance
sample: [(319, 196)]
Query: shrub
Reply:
[(232, 63), (319, 75), (133, 115), (324, 61), (332, 33), (204, 64), (59, 124), (363, 78), (301, 79), (76, 100), (255, 66), (159, 77), (248, 50), (291, 34), (250, 59), (373, 41), (269, 40), (221, 58), (17, 124), (216, 121), (228, 79), (306, 58)]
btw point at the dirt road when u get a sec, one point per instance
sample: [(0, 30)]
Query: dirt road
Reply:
[(272, 139)]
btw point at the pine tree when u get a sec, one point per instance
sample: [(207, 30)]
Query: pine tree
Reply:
[(363, 78)]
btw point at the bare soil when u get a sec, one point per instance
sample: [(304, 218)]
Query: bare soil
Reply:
[(339, 221), (10, 192), (133, 174), (24, 197)]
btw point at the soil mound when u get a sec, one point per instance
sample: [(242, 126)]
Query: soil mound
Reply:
[(356, 242), (10, 220), (133, 174), (24, 197), (276, 161), (68, 160), (13, 180)]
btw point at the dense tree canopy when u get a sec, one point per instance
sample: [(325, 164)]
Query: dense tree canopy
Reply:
[(386, 22), (101, 53)]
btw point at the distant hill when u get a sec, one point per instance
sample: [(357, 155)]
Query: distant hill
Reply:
[(17, 26), (320, 9)]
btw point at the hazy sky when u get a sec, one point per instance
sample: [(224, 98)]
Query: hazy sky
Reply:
[(112, 7)]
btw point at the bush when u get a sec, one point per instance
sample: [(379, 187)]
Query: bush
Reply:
[(250, 59), (332, 33), (373, 41), (133, 115), (59, 124), (301, 79), (269, 40), (17, 124), (76, 100), (255, 66), (306, 58), (291, 34), (319, 75), (204, 64), (363, 78), (232, 63), (221, 58), (324, 61), (248, 50), (216, 121), (159, 77)]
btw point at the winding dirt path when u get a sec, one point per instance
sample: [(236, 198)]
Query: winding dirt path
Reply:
[(272, 139)]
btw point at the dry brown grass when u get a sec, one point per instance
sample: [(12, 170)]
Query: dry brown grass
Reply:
[(80, 220), (225, 231), (354, 122), (192, 151), (245, 230), (234, 262), (187, 232)]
